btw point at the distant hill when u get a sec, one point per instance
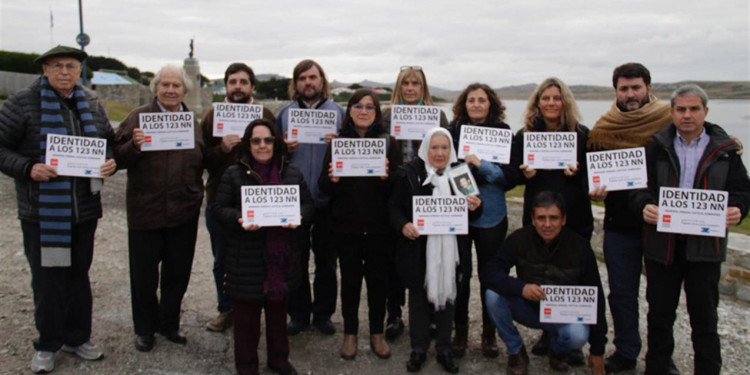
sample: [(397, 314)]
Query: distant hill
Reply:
[(715, 90)]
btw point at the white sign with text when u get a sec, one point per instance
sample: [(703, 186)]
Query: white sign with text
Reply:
[(693, 211), (167, 131), (270, 205), (233, 118), (413, 121), (569, 304), (550, 150), (440, 215), (358, 157), (311, 125), (491, 144), (75, 156), (623, 169)]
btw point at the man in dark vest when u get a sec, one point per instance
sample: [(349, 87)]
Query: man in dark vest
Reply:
[(58, 214), (546, 253)]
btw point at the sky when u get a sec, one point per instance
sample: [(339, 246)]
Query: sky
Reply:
[(500, 43)]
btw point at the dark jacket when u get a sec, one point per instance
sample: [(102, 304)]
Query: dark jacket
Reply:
[(410, 255), (720, 168), (574, 189), (567, 251), (216, 160), (244, 266), (165, 188), (359, 205), (20, 123)]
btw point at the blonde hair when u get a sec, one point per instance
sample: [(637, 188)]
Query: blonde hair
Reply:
[(571, 116), (405, 74)]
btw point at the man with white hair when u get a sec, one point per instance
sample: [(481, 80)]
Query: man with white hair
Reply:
[(164, 195)]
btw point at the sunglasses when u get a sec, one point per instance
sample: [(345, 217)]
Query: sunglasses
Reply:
[(266, 140), (412, 67)]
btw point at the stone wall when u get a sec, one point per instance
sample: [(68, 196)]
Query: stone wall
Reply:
[(10, 82), (132, 95)]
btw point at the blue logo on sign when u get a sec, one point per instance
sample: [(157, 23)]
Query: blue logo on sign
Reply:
[(370, 171), (452, 229), (560, 164), (705, 230), (87, 171), (631, 183), (580, 319), (494, 157), (321, 139), (283, 220), (178, 144)]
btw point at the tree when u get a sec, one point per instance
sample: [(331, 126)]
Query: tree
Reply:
[(273, 88)]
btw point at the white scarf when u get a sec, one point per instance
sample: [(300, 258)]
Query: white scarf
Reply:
[(442, 250)]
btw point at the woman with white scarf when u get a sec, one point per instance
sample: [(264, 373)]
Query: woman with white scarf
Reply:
[(427, 264)]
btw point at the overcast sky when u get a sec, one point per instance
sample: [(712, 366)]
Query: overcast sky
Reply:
[(497, 42)]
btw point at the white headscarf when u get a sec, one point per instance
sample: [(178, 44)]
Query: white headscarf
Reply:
[(442, 250)]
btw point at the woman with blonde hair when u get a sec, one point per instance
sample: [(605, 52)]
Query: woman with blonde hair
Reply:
[(552, 108)]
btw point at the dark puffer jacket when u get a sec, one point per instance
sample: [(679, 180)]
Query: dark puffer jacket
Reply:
[(244, 266), (20, 123)]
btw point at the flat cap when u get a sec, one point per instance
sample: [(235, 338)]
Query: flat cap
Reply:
[(62, 51)]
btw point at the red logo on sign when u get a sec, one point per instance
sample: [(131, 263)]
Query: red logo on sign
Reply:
[(250, 213), (596, 179), (397, 128), (148, 139), (339, 164), (420, 222), (466, 148), (666, 219), (53, 162), (531, 157), (547, 311), (294, 132), (220, 126)]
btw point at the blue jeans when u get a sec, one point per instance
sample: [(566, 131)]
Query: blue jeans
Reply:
[(219, 249), (623, 255), (504, 310)]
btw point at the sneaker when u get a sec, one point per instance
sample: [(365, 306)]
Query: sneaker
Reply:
[(43, 362), (87, 351), (221, 322)]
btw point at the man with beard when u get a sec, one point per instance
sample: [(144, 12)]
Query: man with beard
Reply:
[(309, 89), (221, 152), (634, 117)]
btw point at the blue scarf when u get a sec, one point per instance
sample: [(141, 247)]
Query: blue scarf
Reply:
[(56, 195)]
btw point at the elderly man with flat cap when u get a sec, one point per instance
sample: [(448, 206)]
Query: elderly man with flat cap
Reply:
[(58, 214)]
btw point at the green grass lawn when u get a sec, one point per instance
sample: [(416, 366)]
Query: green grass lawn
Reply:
[(743, 228), (116, 110)]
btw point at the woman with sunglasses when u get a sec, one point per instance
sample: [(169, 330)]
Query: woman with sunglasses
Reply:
[(411, 89), (259, 259), (360, 234), (479, 105)]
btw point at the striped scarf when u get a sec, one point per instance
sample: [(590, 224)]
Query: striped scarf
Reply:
[(56, 195)]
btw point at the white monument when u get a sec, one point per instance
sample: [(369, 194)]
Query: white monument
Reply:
[(193, 70)]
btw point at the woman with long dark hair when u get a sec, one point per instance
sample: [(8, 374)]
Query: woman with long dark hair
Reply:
[(259, 260), (360, 234)]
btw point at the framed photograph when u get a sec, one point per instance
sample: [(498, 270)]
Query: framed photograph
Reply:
[(462, 180)]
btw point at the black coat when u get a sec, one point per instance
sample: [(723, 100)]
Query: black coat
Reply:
[(244, 266), (410, 254), (20, 126)]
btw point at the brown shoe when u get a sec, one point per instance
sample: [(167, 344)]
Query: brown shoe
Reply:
[(489, 341), (518, 364), (221, 322), (558, 362), (379, 346), (458, 345), (349, 347)]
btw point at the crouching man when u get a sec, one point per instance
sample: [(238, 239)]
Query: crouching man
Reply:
[(545, 253)]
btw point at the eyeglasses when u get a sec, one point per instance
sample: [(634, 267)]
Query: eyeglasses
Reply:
[(412, 67), (68, 66), (266, 140), (366, 108)]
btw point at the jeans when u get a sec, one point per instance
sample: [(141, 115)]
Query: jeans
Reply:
[(504, 310), (218, 248), (623, 255)]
